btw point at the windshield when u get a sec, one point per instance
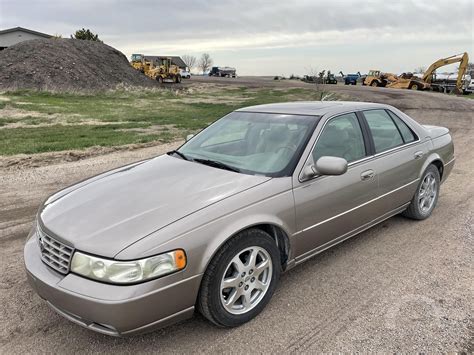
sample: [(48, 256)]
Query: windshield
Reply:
[(253, 143)]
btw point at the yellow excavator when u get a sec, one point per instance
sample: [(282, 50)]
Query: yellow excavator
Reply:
[(462, 59), (162, 70)]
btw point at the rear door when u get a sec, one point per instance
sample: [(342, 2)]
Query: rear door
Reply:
[(398, 157), (331, 207)]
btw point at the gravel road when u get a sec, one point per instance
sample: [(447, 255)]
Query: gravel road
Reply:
[(402, 286)]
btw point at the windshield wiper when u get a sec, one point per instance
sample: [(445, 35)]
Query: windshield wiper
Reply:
[(178, 153), (217, 164)]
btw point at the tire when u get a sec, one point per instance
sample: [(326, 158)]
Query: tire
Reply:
[(213, 294), (374, 83), (415, 209), (160, 79), (177, 79), (413, 87)]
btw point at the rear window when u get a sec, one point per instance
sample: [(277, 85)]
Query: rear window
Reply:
[(384, 131), (407, 133)]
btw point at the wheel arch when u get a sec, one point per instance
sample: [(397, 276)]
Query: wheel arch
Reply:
[(276, 230), (436, 160)]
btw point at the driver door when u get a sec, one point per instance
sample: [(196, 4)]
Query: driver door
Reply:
[(329, 208)]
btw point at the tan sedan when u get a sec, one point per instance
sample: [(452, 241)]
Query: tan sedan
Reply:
[(212, 225)]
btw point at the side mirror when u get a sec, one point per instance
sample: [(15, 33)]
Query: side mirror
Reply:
[(331, 166), (189, 136)]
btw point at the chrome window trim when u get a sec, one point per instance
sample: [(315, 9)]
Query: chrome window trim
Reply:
[(355, 208), (390, 112), (317, 139), (367, 158), (401, 118), (403, 140)]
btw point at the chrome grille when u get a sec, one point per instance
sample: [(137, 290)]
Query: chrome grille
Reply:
[(53, 253)]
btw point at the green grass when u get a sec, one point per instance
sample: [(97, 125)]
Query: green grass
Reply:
[(78, 121), (56, 138)]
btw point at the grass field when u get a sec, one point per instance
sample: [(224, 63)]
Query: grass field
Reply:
[(35, 122)]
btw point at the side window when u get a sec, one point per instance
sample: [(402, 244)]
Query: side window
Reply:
[(342, 137), (407, 134), (384, 132)]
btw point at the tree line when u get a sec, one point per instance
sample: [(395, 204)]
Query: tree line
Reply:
[(203, 64)]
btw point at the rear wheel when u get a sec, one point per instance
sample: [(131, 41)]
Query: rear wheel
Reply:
[(374, 83), (414, 86), (240, 279), (426, 196)]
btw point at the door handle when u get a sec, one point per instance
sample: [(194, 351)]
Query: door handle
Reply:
[(418, 154), (367, 175)]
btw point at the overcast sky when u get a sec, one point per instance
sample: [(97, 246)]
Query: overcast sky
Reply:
[(266, 37)]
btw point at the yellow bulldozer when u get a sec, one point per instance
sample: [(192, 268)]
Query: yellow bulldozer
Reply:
[(160, 69)]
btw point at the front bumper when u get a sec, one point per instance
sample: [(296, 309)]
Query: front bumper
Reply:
[(111, 309)]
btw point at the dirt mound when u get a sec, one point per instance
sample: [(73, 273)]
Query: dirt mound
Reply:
[(66, 65)]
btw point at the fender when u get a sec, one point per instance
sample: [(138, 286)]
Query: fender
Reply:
[(430, 159), (237, 226)]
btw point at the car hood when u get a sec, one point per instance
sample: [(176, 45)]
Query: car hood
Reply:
[(107, 213)]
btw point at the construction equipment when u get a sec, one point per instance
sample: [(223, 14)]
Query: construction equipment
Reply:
[(139, 62), (350, 79), (330, 78), (430, 75), (377, 78), (405, 81), (161, 69), (427, 81)]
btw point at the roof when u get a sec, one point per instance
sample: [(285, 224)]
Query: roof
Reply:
[(311, 108), (14, 29), (176, 60)]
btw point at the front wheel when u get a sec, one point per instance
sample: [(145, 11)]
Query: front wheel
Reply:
[(240, 279), (426, 196)]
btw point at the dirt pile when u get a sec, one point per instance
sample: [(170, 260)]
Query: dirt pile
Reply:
[(66, 65)]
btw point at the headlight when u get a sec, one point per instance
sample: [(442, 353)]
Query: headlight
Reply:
[(127, 272)]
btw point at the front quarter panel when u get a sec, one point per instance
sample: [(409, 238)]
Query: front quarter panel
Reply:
[(204, 232)]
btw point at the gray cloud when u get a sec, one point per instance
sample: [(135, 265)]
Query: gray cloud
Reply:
[(181, 26), (193, 19)]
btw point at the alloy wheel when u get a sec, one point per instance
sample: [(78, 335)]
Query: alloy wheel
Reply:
[(427, 193), (246, 280)]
